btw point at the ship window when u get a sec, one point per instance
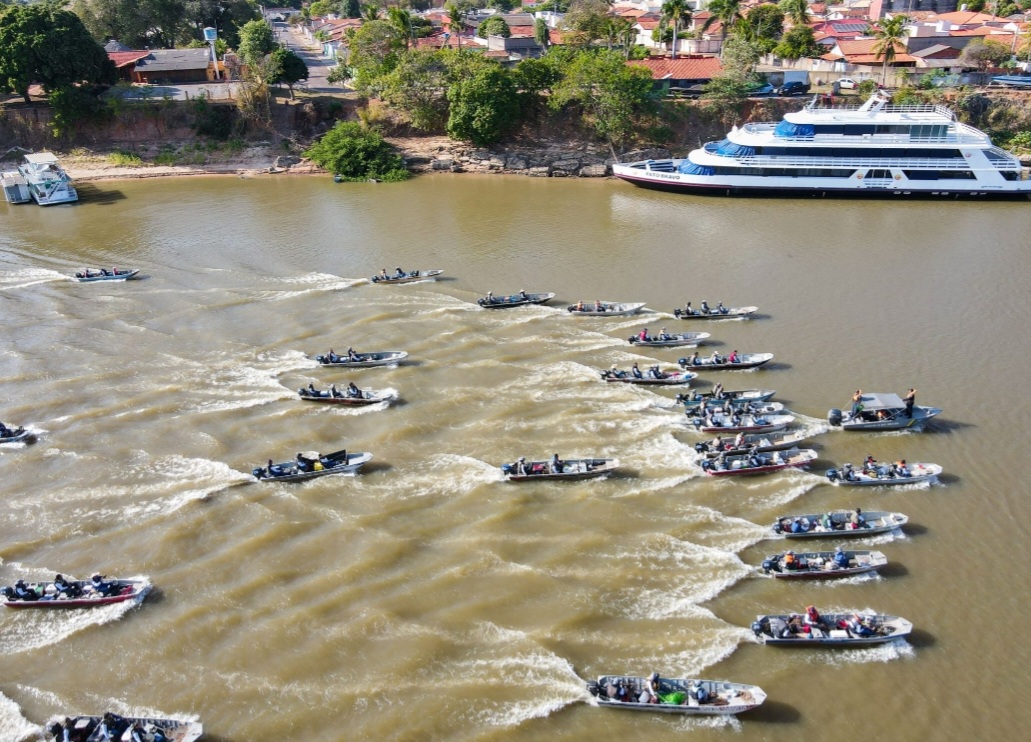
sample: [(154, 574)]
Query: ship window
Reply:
[(928, 131), (855, 130)]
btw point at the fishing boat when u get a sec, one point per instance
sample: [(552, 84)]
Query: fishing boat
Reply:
[(675, 695), (757, 462), (16, 435), (720, 312), (881, 475), (832, 630), (838, 524), (605, 309), (741, 423), (88, 275), (74, 593), (405, 277), (515, 300), (117, 727), (822, 565), (352, 396), (716, 362), (747, 408), (362, 360), (882, 411), (743, 443), (668, 340), (734, 398), (877, 150), (525, 471), (311, 464), (654, 376)]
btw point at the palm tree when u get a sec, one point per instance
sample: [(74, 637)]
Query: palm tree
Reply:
[(456, 15), (401, 21), (370, 11), (889, 37), (727, 12), (619, 32), (796, 10), (676, 12)]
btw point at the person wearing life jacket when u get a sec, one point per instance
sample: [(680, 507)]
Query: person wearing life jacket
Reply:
[(24, 592), (790, 562), (635, 371), (812, 617), (64, 587), (353, 391), (643, 335), (704, 308), (721, 309), (841, 560), (734, 357)]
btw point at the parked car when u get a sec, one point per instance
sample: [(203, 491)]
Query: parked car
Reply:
[(848, 83), (765, 89), (796, 87)]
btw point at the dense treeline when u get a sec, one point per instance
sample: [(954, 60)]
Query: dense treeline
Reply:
[(164, 24)]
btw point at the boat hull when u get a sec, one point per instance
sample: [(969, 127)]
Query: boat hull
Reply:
[(176, 730), (354, 462), (893, 627), (689, 339), (727, 698), (612, 309), (120, 277), (128, 590), (366, 360), (509, 302), (19, 436), (408, 278), (920, 473), (876, 522), (673, 378), (573, 469)]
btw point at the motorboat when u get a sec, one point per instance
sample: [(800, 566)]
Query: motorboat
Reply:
[(524, 471), (838, 524), (1022, 82), (675, 695), (743, 443), (883, 475), (742, 423), (822, 565), (405, 277), (605, 309), (21, 435), (882, 411), (716, 362), (732, 398), (362, 360), (830, 630), (112, 726), (351, 396), (653, 376), (720, 312), (668, 340), (89, 275), (515, 300), (757, 462), (311, 464), (879, 149), (748, 408), (46, 181), (74, 593)]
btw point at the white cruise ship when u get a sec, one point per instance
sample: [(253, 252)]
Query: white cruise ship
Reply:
[(877, 149)]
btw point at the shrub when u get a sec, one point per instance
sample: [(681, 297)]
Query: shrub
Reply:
[(125, 159), (356, 153)]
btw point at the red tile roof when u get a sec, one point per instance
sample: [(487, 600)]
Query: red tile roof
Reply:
[(124, 59), (970, 18), (682, 68)]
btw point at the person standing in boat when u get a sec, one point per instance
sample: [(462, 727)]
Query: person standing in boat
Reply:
[(910, 400), (556, 464), (688, 310), (857, 403)]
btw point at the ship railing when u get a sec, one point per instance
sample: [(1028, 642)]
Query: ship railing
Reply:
[(970, 137), (909, 163)]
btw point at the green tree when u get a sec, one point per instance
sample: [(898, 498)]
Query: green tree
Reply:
[(226, 16), (677, 12), (738, 77), (257, 41), (541, 33), (456, 13), (504, 6), (586, 21), (417, 86), (728, 13), (370, 11), (613, 96), (484, 106), (45, 44), (796, 10), (322, 8), (620, 32), (763, 26), (534, 79), (401, 21), (889, 42), (351, 9), (797, 43), (292, 69), (376, 48), (984, 54), (494, 26), (356, 153)]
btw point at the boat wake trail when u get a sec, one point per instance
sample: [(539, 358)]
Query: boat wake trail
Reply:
[(308, 284), (19, 279), (13, 726)]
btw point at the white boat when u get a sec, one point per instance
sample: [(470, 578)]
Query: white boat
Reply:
[(734, 423), (878, 149), (675, 695), (883, 475), (653, 376), (758, 462), (403, 277), (116, 727), (832, 629), (47, 182), (605, 309)]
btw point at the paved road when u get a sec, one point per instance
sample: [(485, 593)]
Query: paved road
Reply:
[(318, 66)]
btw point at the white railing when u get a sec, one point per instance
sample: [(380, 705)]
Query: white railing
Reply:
[(968, 136), (909, 163)]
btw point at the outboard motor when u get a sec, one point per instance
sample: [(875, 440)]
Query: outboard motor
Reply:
[(757, 628), (700, 447), (320, 359), (833, 475), (570, 309), (770, 565), (677, 312), (777, 527), (632, 339), (257, 472), (706, 465), (682, 362), (480, 302), (834, 416), (507, 469), (593, 688), (303, 392)]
